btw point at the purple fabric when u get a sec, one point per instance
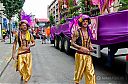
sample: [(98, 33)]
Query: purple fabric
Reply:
[(89, 33), (112, 28), (24, 16), (52, 31)]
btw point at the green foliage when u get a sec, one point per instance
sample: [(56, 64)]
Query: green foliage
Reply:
[(51, 18), (1, 1), (12, 7), (71, 3), (69, 16), (82, 5), (124, 5), (77, 13), (62, 21), (85, 6), (73, 11), (70, 10)]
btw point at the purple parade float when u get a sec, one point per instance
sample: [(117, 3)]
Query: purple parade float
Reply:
[(110, 30)]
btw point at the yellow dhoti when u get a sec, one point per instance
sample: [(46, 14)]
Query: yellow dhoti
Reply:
[(84, 66), (24, 65)]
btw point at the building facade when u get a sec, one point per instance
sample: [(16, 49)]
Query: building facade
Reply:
[(53, 9)]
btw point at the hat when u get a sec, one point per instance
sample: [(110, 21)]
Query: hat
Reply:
[(24, 21), (82, 18)]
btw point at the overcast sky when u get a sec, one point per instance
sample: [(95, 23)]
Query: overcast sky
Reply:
[(37, 7)]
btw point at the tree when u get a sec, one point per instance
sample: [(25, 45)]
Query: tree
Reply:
[(62, 21), (73, 9), (52, 21), (12, 7), (16, 23), (85, 6)]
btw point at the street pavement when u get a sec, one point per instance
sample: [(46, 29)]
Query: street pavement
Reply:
[(50, 66), (5, 54)]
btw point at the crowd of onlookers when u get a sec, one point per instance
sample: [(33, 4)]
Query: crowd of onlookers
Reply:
[(36, 32), (40, 34), (5, 35)]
